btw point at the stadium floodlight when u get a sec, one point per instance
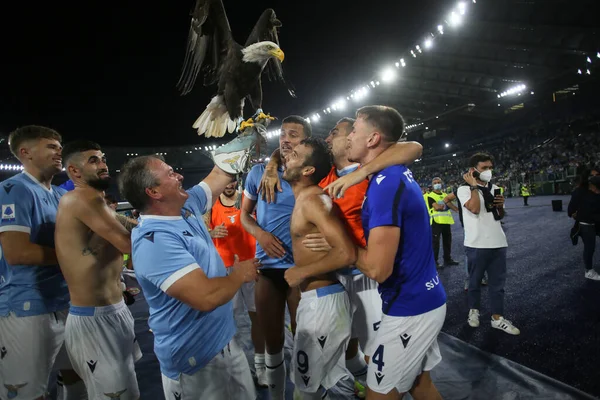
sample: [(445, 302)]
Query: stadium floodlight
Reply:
[(587, 71), (440, 29), (402, 62), (388, 75), (413, 53), (447, 145), (579, 71), (589, 60), (516, 89), (462, 7), (428, 43), (328, 109), (397, 65), (308, 119), (598, 54), (454, 19)]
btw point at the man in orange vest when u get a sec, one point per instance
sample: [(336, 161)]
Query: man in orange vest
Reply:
[(231, 239)]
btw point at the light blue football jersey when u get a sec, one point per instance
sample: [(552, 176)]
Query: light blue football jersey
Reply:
[(164, 250), (30, 207)]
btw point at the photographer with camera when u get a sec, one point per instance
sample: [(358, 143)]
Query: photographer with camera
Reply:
[(485, 242)]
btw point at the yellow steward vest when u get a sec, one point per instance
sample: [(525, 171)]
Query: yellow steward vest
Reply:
[(440, 217)]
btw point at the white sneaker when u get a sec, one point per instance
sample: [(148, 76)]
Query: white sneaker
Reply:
[(593, 275), (505, 325), (473, 318), (261, 377)]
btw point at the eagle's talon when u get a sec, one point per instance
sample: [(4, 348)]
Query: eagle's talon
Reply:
[(262, 115), (249, 123)]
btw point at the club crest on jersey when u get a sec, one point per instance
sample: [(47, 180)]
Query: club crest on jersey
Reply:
[(13, 390), (188, 214), (231, 218), (116, 395), (8, 212)]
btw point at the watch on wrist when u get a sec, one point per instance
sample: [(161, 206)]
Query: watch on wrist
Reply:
[(473, 187)]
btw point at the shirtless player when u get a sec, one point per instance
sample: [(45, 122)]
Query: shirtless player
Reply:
[(324, 314), (90, 241)]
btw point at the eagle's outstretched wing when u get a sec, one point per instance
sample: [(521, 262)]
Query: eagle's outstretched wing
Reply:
[(209, 41), (266, 29)]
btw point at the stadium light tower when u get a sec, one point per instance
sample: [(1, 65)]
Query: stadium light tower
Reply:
[(388, 75)]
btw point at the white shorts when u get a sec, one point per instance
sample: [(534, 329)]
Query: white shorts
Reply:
[(30, 347), (322, 334), (102, 347), (226, 376), (406, 346), (366, 307)]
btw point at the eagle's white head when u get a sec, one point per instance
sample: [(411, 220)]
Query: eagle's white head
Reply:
[(261, 52)]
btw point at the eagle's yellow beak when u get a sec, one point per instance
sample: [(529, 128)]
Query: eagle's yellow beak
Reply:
[(278, 54)]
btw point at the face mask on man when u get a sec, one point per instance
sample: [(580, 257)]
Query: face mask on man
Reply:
[(485, 176), (437, 186)]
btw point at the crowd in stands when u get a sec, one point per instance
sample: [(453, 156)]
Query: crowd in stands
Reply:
[(546, 146)]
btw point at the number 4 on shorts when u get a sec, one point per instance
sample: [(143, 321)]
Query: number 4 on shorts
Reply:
[(377, 358)]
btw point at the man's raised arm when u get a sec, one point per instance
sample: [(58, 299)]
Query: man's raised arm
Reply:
[(402, 153), (216, 181)]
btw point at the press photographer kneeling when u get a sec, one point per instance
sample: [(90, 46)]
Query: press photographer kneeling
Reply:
[(485, 242)]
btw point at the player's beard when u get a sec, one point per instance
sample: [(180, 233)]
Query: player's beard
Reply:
[(100, 183), (291, 175), (229, 192)]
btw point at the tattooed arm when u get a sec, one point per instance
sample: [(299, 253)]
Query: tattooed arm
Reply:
[(128, 223)]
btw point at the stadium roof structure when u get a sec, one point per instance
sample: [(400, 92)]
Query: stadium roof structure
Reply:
[(482, 60)]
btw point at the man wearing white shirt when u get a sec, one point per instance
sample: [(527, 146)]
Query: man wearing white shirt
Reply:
[(485, 241)]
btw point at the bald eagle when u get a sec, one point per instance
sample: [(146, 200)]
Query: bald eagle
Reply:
[(235, 68)]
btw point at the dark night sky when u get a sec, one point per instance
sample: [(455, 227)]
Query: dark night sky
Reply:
[(107, 71)]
